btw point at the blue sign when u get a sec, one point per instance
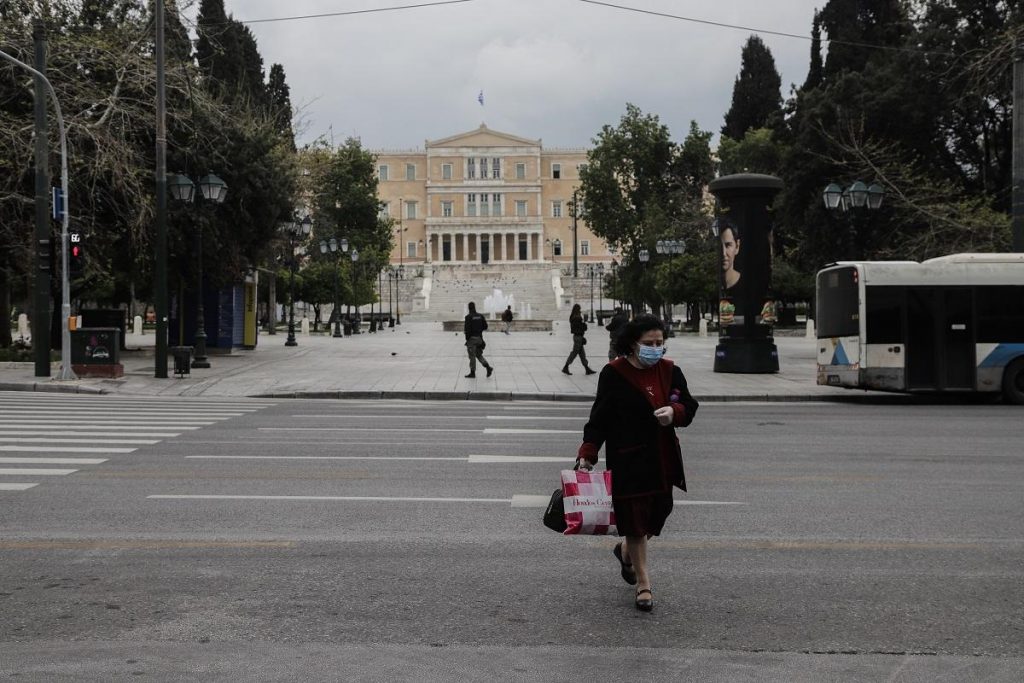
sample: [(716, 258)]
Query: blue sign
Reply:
[(58, 204)]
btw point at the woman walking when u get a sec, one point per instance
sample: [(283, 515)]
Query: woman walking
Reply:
[(641, 398), (578, 329)]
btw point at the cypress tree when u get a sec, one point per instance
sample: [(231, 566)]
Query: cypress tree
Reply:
[(756, 96), (281, 103), (817, 70)]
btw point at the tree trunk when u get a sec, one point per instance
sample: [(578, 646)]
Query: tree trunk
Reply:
[(5, 308)]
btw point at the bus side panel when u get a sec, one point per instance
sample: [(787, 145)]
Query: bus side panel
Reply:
[(838, 361), (884, 367), (994, 359)]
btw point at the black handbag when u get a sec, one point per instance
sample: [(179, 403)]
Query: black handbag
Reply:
[(554, 515)]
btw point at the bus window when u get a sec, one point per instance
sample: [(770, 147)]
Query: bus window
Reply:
[(838, 304), (884, 310), (1000, 314)]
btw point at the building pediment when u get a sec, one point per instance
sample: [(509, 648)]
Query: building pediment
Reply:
[(483, 137)]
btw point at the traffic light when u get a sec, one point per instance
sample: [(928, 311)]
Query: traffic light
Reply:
[(76, 256)]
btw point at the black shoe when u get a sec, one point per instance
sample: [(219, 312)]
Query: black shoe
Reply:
[(644, 604), (490, 371), (591, 372), (628, 573), (471, 375), (565, 370)]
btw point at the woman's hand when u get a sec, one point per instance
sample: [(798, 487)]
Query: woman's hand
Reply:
[(584, 464), (664, 415)]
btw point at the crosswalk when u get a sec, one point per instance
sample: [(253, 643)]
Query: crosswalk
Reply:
[(56, 435)]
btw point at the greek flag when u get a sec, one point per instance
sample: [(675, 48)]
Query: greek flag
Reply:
[(480, 98)]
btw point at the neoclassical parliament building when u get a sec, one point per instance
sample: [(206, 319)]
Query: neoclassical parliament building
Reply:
[(484, 197)]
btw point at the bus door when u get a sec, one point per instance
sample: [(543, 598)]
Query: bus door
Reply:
[(940, 338)]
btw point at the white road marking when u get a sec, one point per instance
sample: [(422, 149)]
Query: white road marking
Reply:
[(65, 449), (315, 457), (360, 429), (16, 487), (33, 471), (512, 459), (43, 439), (52, 461), (535, 417), (494, 430), (120, 412), (333, 498), (530, 501), (74, 431), (106, 423)]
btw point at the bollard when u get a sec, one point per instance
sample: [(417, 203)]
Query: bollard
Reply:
[(810, 329), (23, 330), (304, 327), (703, 327), (137, 325)]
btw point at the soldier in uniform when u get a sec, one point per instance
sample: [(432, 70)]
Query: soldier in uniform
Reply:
[(474, 331)]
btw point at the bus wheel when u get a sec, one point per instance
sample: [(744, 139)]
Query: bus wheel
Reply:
[(1013, 382)]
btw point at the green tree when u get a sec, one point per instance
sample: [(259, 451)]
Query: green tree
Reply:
[(816, 72), (757, 152), (756, 95), (281, 103)]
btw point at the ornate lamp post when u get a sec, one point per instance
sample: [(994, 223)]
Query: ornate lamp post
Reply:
[(857, 196), (294, 231), (615, 290), (213, 190), (670, 247), (332, 247), (644, 256), (355, 259)]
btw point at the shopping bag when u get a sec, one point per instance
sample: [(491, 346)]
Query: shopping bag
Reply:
[(587, 500), (554, 515)]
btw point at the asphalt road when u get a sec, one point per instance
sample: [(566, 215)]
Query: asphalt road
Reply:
[(381, 541)]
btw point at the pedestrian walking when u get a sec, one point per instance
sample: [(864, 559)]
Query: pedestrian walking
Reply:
[(506, 320), (578, 329), (641, 398), (474, 331), (614, 326)]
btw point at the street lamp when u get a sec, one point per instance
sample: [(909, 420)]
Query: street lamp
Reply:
[(355, 259), (857, 196), (670, 247), (644, 257), (615, 290), (213, 190), (593, 270), (575, 241), (399, 276), (332, 246), (401, 256), (294, 231)]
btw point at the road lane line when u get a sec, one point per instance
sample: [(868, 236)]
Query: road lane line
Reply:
[(10, 439), (330, 498), (165, 423), (52, 461), (64, 449), (360, 429), (316, 457), (16, 487), (536, 417), (90, 435), (121, 412), (532, 501), (495, 430), (513, 459), (32, 471)]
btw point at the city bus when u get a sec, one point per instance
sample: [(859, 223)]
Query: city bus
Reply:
[(948, 324)]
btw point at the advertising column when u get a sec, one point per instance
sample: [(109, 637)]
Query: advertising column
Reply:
[(743, 226)]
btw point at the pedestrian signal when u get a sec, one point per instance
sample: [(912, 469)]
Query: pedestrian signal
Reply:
[(76, 256)]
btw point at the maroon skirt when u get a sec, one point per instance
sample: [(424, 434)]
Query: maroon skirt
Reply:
[(642, 515)]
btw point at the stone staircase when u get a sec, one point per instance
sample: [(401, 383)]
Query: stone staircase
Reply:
[(490, 286)]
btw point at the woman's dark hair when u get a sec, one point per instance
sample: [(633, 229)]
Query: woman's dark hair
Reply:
[(575, 311), (634, 329)]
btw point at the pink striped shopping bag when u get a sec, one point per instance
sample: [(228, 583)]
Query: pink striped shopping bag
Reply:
[(588, 502)]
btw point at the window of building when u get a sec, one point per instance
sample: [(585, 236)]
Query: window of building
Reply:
[(556, 208), (410, 209), (471, 204), (495, 168), (582, 168), (520, 171), (382, 172), (484, 206), (471, 168), (483, 167), (556, 171), (446, 171), (410, 171), (496, 205), (520, 207), (410, 249), (556, 248), (446, 209), (584, 247), (385, 210)]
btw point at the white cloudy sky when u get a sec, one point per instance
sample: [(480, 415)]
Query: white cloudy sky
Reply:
[(551, 69)]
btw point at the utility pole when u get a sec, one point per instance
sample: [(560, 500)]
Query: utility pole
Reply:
[(575, 241), (1018, 146), (160, 246), (41, 290)]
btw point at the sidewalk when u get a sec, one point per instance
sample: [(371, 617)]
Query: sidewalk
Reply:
[(420, 361)]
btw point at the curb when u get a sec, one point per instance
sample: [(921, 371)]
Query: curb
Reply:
[(52, 388)]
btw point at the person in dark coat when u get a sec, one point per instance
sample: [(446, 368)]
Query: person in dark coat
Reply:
[(641, 398), (614, 326), (578, 329), (473, 328)]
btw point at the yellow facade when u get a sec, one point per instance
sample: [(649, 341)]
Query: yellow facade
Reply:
[(484, 197)]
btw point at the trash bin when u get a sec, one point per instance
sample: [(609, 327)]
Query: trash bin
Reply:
[(182, 360)]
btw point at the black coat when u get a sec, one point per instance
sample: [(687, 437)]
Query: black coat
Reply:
[(622, 418), (576, 325), (474, 325)]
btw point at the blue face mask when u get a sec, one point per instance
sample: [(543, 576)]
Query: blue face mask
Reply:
[(649, 355)]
